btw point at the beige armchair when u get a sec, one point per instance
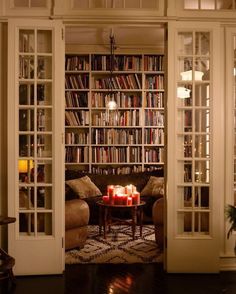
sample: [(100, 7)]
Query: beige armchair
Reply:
[(76, 223), (158, 220)]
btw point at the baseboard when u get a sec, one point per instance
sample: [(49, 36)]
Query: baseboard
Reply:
[(228, 263)]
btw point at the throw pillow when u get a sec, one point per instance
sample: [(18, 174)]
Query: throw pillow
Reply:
[(154, 187), (84, 187)]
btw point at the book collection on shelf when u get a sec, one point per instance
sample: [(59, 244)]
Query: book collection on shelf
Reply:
[(128, 139)]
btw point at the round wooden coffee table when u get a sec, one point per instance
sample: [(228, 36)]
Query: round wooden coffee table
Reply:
[(106, 219)]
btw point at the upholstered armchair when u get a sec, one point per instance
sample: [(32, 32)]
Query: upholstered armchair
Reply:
[(158, 220), (76, 223)]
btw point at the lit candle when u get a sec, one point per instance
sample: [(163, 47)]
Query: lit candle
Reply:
[(128, 189), (129, 200), (134, 189), (125, 199), (116, 200), (110, 190), (120, 199), (110, 193), (136, 198), (106, 199)]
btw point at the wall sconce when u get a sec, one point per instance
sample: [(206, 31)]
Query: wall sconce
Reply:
[(183, 92), (188, 75)]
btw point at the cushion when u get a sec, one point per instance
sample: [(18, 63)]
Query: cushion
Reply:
[(84, 187), (154, 187)]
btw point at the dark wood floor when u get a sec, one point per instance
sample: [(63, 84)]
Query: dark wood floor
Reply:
[(122, 279)]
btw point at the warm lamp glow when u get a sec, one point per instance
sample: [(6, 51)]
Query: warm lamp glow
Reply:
[(25, 165), (188, 75), (112, 105), (183, 92)]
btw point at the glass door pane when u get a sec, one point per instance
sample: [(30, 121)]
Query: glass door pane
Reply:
[(35, 133), (193, 132)]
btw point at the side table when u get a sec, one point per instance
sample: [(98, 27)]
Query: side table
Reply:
[(6, 261), (106, 219)]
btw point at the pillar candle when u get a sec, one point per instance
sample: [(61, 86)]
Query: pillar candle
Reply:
[(136, 198), (120, 199), (129, 200), (110, 190), (106, 199), (125, 199), (116, 199), (134, 189), (128, 189)]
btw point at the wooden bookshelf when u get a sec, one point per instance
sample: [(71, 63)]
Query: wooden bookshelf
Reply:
[(129, 139)]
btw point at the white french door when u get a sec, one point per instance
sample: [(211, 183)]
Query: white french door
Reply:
[(35, 146), (195, 181)]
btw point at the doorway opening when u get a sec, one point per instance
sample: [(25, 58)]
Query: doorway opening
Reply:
[(119, 147)]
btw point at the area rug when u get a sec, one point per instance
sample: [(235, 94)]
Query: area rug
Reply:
[(118, 247)]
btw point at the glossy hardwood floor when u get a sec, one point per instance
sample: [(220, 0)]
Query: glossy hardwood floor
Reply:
[(122, 279)]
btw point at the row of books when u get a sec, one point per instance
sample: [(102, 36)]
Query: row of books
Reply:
[(116, 154), (154, 100), (153, 136), (103, 62), (116, 136), (153, 118), (118, 170), (154, 62), (119, 62), (76, 138), (76, 62), (154, 155), (74, 154), (77, 154), (122, 100), (80, 81), (115, 118), (130, 81), (119, 118), (154, 82), (76, 99), (77, 118)]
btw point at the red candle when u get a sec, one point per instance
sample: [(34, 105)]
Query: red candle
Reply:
[(128, 189), (115, 197), (129, 201), (106, 199), (134, 189), (110, 190), (120, 199), (136, 198), (125, 199)]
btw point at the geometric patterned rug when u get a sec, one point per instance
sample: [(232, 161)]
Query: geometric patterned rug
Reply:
[(118, 247)]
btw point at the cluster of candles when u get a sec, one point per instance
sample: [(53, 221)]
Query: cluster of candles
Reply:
[(118, 195)]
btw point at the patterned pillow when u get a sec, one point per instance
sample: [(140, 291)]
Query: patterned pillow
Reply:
[(154, 187), (84, 187)]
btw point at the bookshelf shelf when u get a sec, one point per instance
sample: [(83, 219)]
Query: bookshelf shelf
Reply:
[(129, 139)]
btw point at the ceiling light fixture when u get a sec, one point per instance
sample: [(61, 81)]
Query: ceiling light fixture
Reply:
[(188, 75), (112, 103), (183, 92)]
